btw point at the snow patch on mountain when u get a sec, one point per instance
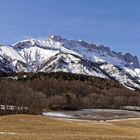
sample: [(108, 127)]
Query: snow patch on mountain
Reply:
[(120, 75), (76, 56)]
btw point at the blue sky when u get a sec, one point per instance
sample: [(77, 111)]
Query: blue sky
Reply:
[(113, 23)]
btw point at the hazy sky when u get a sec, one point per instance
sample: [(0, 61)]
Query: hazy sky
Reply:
[(113, 23)]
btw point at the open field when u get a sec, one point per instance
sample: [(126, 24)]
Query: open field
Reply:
[(28, 127)]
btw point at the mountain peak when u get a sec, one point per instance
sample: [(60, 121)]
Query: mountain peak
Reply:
[(56, 38), (131, 59), (83, 48), (25, 43), (59, 54)]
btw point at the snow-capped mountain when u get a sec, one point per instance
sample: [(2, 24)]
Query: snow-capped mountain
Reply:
[(59, 54)]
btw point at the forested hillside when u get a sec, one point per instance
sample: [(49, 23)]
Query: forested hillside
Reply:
[(31, 93)]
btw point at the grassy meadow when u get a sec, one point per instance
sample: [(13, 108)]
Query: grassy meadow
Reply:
[(29, 127)]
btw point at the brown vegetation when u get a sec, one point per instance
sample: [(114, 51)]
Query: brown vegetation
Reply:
[(28, 127), (63, 91)]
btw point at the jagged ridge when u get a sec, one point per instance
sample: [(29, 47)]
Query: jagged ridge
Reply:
[(59, 54)]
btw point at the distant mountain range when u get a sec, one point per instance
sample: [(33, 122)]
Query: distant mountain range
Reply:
[(59, 54)]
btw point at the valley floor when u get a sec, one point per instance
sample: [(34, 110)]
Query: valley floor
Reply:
[(29, 127)]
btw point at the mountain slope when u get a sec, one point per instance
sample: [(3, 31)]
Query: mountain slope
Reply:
[(59, 54)]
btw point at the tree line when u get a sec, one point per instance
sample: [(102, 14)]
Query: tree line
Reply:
[(34, 92)]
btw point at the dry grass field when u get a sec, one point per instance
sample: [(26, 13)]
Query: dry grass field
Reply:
[(28, 127)]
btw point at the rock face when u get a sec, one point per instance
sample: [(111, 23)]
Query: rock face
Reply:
[(131, 59), (59, 54)]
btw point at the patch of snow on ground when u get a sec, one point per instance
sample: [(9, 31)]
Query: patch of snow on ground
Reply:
[(57, 114), (7, 133), (94, 114)]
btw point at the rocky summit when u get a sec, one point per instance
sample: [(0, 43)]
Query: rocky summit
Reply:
[(56, 53)]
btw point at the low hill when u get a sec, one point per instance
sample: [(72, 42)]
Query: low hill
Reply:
[(31, 93)]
